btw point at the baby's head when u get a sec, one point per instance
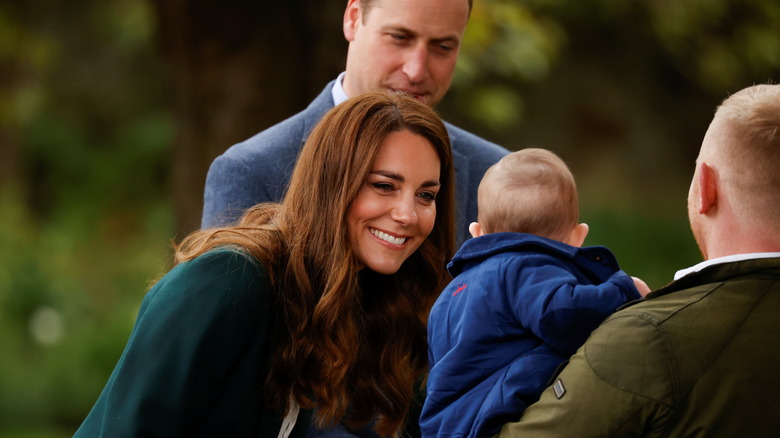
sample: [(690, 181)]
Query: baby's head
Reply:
[(530, 191)]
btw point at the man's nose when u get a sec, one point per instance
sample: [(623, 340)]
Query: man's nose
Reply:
[(416, 64)]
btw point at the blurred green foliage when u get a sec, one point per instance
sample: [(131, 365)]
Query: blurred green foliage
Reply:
[(718, 45), (85, 215), (69, 289), (85, 219)]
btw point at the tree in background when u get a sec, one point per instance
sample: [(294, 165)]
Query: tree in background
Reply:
[(84, 221), (235, 68)]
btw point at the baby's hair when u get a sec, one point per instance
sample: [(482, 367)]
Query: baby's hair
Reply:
[(529, 191)]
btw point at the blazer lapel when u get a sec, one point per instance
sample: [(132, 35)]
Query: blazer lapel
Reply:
[(317, 109)]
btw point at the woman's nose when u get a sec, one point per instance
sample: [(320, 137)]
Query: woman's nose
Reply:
[(404, 211)]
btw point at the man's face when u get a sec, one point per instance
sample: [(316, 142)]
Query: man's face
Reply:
[(404, 45)]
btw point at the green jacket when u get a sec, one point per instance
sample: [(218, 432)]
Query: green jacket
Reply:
[(195, 362), (698, 358)]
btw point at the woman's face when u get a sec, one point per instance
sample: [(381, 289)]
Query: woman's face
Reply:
[(395, 208)]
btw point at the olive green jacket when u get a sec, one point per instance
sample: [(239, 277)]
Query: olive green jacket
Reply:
[(698, 358), (195, 362)]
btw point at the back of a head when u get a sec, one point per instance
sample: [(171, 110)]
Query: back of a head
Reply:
[(529, 191), (747, 146)]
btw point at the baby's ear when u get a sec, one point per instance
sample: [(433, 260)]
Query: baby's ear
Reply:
[(475, 229), (578, 235)]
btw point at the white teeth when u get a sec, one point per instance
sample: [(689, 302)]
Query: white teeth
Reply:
[(388, 238)]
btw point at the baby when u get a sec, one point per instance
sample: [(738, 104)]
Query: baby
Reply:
[(524, 297)]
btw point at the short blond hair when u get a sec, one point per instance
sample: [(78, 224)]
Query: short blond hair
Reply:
[(749, 150), (529, 191)]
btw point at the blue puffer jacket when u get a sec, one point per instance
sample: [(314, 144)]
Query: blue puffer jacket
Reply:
[(519, 305)]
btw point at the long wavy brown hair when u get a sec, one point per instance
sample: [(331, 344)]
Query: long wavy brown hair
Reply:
[(352, 342)]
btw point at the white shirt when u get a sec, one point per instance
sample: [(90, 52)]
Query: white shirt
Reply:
[(726, 259), (338, 90)]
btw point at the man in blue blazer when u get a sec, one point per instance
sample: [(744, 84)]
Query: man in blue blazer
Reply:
[(402, 45)]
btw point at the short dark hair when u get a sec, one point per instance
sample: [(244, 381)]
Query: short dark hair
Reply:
[(367, 4)]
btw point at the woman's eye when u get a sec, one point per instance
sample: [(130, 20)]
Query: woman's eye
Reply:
[(385, 187), (428, 196)]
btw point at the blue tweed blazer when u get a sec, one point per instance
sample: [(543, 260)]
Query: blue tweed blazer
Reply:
[(258, 169)]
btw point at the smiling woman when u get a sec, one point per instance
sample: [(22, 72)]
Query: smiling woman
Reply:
[(317, 302), (395, 209)]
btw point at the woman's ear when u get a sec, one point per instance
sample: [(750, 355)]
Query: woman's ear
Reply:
[(578, 235), (475, 229)]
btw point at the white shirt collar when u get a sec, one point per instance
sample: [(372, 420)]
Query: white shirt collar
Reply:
[(726, 259), (338, 90)]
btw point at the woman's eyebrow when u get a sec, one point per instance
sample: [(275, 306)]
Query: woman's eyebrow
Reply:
[(389, 174), (398, 177)]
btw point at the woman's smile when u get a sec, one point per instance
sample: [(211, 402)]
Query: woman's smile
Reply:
[(386, 237), (395, 208)]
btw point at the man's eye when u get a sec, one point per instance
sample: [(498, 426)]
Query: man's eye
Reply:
[(443, 49)]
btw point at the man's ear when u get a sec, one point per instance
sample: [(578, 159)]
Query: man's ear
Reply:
[(475, 229), (578, 235), (352, 16), (708, 188)]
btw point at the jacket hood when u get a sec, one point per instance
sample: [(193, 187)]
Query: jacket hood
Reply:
[(479, 248)]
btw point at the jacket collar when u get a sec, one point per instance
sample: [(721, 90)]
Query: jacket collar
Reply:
[(720, 273)]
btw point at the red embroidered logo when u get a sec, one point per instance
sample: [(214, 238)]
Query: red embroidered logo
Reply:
[(460, 288)]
